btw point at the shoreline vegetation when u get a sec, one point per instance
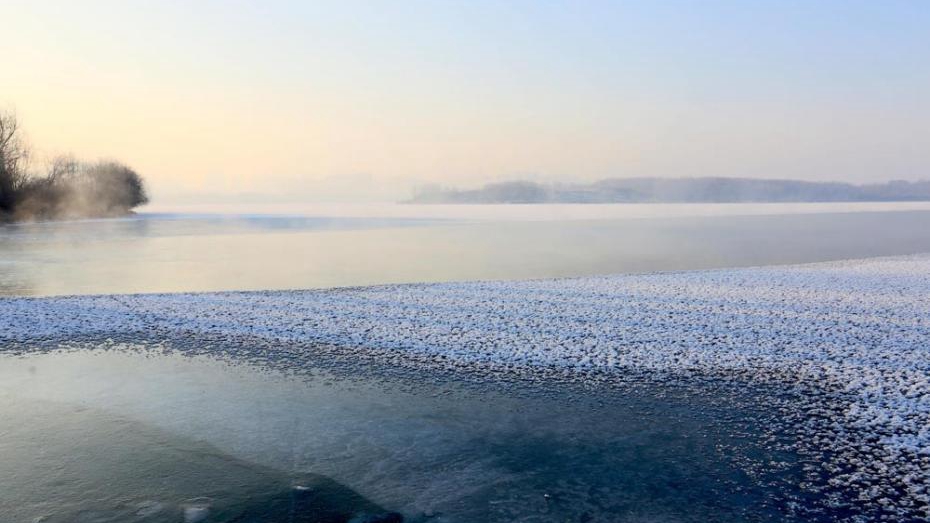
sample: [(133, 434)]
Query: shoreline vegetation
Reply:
[(678, 190), (66, 188)]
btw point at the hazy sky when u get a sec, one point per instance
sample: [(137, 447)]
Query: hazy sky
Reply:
[(312, 100)]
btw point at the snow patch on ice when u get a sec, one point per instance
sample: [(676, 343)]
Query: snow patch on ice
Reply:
[(856, 329)]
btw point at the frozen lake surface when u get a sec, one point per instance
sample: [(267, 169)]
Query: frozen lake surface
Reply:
[(758, 394), (754, 391), (134, 434)]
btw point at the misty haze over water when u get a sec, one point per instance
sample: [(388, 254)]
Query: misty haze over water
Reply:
[(363, 245)]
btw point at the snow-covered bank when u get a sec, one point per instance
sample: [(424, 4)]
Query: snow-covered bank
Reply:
[(856, 334)]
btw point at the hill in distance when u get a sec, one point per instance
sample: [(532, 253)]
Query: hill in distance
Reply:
[(680, 190)]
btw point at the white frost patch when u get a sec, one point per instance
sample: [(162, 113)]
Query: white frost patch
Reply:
[(858, 326)]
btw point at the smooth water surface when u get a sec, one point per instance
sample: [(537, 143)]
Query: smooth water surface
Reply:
[(353, 246)]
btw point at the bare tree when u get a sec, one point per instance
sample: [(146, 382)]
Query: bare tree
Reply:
[(68, 187), (114, 186), (14, 155), (62, 168)]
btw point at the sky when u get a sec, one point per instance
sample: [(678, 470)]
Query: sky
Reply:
[(292, 100)]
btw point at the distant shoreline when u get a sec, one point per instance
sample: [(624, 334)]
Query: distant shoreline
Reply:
[(679, 190)]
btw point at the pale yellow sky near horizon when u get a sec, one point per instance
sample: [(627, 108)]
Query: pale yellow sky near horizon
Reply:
[(289, 101)]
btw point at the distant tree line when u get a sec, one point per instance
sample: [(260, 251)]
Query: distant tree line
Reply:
[(66, 188), (679, 190)]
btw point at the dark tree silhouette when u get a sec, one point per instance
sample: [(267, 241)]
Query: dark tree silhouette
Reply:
[(14, 155), (69, 188)]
